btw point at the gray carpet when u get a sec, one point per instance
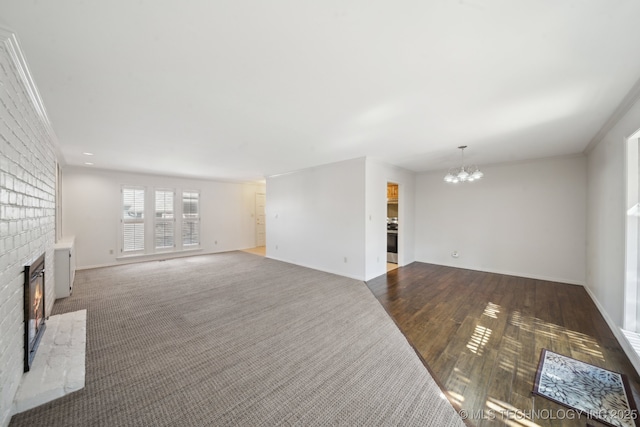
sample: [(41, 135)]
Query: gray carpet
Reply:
[(238, 339)]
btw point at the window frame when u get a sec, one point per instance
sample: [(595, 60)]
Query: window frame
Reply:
[(135, 220), (194, 220), (157, 221), (148, 220)]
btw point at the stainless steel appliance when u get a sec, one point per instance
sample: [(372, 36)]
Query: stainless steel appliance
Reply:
[(392, 240)]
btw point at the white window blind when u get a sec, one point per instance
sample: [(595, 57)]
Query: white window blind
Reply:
[(164, 220), (132, 219), (190, 218)]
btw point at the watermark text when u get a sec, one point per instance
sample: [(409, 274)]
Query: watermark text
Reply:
[(545, 414)]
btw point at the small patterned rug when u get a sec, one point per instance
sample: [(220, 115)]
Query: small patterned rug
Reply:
[(600, 394)]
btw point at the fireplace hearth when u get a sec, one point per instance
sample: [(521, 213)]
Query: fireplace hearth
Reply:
[(34, 308)]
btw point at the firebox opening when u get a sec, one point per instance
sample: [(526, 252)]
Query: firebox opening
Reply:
[(34, 308)]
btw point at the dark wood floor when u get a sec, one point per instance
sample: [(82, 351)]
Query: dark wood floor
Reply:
[(481, 335)]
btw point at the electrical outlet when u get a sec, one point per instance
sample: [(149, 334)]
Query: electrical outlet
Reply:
[(110, 251)]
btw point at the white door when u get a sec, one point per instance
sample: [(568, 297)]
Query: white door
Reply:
[(260, 223)]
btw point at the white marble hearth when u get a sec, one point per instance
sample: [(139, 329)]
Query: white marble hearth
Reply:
[(59, 365)]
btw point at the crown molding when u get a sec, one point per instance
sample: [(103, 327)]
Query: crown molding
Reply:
[(623, 108), (10, 41)]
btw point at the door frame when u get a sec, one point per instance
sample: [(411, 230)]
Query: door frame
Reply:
[(400, 254), (256, 219)]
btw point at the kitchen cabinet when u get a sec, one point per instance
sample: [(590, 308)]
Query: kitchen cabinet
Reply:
[(65, 267), (392, 192)]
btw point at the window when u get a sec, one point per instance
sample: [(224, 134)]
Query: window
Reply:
[(132, 219), (164, 219), (631, 313), (190, 218), (632, 252), (171, 221)]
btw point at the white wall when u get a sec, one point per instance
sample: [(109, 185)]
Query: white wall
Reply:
[(315, 218), (526, 219), (27, 211), (606, 217), (91, 212), (377, 176)]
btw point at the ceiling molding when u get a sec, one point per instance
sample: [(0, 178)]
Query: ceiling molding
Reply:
[(10, 41), (623, 108)]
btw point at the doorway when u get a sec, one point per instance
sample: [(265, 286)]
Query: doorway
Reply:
[(260, 220), (393, 225)]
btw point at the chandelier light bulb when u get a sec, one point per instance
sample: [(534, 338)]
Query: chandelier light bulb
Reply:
[(477, 174), (449, 177)]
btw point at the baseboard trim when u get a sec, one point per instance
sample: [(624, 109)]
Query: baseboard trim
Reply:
[(315, 267), (628, 349), (512, 273), (157, 254), (152, 257)]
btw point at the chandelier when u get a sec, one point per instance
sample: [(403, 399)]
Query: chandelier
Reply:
[(463, 173)]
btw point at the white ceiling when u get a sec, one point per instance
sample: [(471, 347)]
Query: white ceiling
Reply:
[(242, 89)]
